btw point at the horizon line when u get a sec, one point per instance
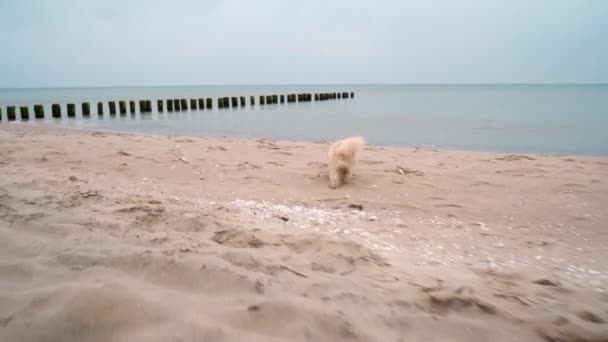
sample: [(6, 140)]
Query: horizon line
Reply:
[(316, 84)]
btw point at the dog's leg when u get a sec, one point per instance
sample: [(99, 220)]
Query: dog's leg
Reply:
[(348, 175), (335, 179)]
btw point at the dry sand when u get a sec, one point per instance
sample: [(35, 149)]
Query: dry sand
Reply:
[(118, 237)]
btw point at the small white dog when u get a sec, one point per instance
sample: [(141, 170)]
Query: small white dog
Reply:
[(343, 156)]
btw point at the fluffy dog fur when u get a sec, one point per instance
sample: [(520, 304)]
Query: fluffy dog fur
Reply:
[(343, 156)]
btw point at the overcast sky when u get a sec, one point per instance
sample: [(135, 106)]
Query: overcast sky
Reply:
[(110, 42)]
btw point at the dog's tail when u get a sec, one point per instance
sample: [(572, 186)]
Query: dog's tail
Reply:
[(349, 148)]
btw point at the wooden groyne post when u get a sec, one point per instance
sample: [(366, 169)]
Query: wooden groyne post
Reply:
[(282, 98), (132, 106), (71, 110), (169, 105), (38, 111), (243, 102), (10, 113), (209, 103), (234, 102), (56, 111), (159, 106), (86, 109), (201, 103), (193, 104), (176, 105), (262, 100), (122, 106), (99, 108), (252, 100), (25, 112), (112, 107), (184, 104)]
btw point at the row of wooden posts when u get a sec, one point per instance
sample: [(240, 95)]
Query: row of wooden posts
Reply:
[(145, 106)]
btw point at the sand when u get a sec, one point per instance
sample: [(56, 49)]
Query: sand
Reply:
[(119, 237)]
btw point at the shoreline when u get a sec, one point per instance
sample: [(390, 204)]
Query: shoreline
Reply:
[(51, 125), (141, 234)]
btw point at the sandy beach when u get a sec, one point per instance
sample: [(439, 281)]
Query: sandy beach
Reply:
[(122, 237)]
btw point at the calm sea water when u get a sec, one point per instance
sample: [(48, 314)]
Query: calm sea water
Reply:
[(515, 118)]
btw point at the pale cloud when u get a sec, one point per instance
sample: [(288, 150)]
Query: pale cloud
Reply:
[(94, 42)]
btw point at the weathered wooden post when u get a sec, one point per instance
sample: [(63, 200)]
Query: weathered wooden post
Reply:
[(71, 110), (252, 100), (316, 97), (344, 95), (352, 94), (220, 103), (0, 113), (282, 98), (243, 104), (275, 99), (268, 99), (184, 104), (262, 100), (25, 112), (209, 103), (159, 106), (10, 113), (112, 106), (56, 110), (142, 106), (132, 106), (193, 104), (176, 105), (226, 102), (86, 109), (201, 103), (170, 105), (122, 106), (99, 108), (38, 111), (234, 102)]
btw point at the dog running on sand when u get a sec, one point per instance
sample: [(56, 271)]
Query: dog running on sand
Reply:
[(343, 156)]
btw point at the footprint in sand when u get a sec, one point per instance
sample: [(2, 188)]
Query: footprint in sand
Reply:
[(371, 162), (276, 163), (436, 198), (449, 205), (515, 157), (317, 165)]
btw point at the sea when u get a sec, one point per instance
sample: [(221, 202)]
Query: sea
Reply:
[(547, 119)]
